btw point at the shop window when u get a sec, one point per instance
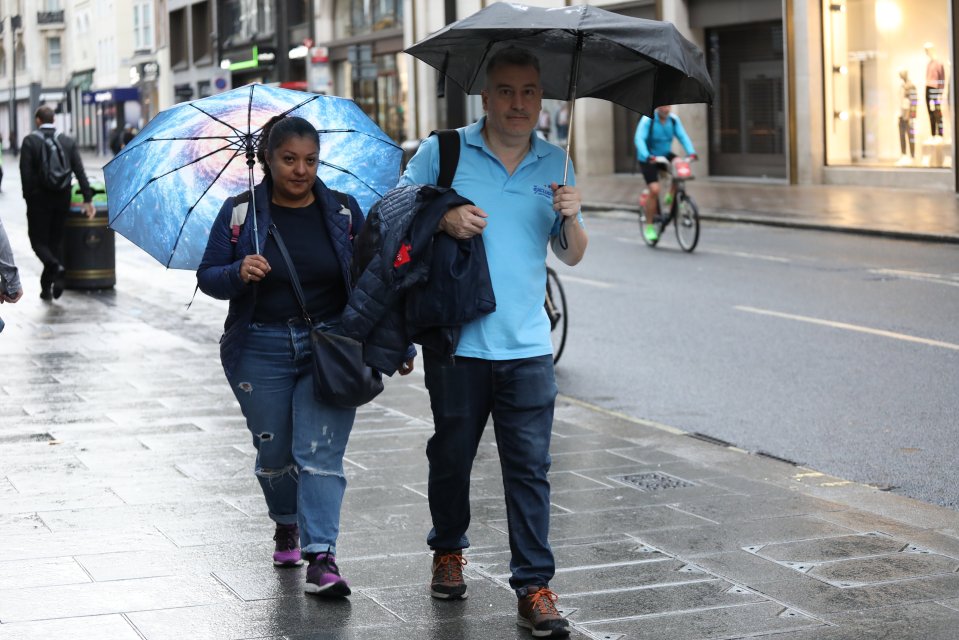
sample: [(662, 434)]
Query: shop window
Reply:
[(358, 17), (379, 87), (886, 74)]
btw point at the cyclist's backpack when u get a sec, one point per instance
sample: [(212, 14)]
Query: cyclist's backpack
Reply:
[(55, 170), (673, 119)]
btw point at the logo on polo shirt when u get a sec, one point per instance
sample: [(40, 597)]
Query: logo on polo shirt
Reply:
[(543, 190)]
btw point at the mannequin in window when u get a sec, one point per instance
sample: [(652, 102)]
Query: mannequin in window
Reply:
[(908, 100), (935, 84)]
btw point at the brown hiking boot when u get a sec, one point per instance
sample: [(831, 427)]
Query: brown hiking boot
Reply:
[(538, 613), (448, 583)]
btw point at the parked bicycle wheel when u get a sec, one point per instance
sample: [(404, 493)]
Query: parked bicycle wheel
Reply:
[(642, 228), (687, 222), (556, 310)]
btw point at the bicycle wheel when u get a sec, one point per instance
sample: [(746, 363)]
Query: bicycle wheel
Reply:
[(642, 227), (687, 222), (556, 310)]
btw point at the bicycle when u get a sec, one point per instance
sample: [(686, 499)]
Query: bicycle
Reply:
[(682, 208), (556, 310)]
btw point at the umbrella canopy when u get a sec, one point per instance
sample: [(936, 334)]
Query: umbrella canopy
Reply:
[(639, 64), (166, 186)]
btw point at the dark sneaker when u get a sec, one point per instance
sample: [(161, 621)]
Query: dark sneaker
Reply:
[(287, 552), (59, 282), (538, 613), (323, 577), (448, 583)]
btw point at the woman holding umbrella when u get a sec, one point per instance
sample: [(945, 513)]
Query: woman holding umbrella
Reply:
[(266, 350)]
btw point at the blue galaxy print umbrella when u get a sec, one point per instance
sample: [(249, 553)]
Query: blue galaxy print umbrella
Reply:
[(166, 186)]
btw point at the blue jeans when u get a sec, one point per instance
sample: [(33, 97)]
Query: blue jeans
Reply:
[(520, 395), (299, 440)]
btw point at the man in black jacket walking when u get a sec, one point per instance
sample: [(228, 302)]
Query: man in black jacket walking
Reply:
[(47, 210)]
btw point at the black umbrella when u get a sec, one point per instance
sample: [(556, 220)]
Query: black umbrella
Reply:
[(584, 52)]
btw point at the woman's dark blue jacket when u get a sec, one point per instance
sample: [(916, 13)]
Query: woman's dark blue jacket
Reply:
[(218, 275)]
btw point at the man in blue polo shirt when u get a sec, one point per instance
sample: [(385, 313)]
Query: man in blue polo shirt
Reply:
[(503, 364)]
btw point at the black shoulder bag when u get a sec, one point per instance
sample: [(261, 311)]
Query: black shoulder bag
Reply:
[(340, 377)]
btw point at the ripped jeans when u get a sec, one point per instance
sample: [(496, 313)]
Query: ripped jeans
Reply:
[(300, 441)]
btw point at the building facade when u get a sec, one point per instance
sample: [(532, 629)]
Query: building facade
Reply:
[(34, 51), (807, 91)]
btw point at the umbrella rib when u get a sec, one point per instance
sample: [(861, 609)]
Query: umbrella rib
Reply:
[(362, 133), (349, 173), (215, 119), (189, 212), (163, 175)]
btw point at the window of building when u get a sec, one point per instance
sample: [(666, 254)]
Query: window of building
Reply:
[(21, 57), (379, 87), (244, 20), (887, 70), (54, 55), (178, 39), (3, 62), (202, 28), (357, 17), (143, 25)]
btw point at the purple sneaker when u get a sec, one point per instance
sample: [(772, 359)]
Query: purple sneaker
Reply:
[(287, 552), (323, 577)]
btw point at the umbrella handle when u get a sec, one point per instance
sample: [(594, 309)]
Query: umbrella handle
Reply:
[(250, 163)]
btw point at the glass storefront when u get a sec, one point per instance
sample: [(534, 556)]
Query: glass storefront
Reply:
[(887, 74), (356, 17), (379, 86), (369, 65)]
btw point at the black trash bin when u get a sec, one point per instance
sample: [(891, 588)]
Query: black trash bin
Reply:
[(89, 254)]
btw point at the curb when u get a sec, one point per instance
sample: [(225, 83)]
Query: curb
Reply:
[(880, 502), (792, 223)]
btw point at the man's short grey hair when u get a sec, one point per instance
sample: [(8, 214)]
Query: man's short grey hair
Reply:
[(511, 57)]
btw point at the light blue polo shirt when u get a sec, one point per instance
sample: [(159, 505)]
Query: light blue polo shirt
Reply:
[(520, 223)]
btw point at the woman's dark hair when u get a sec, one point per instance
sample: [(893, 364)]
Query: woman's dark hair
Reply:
[(278, 130)]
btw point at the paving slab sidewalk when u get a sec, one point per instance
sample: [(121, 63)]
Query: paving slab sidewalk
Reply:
[(899, 213), (128, 508)]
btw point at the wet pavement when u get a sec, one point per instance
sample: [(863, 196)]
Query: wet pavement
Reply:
[(128, 507)]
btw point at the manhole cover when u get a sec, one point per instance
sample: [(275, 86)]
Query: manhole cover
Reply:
[(653, 481)]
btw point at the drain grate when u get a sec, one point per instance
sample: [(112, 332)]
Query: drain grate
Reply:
[(653, 481)]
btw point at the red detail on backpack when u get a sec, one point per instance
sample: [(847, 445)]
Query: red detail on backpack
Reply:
[(402, 256), (235, 235)]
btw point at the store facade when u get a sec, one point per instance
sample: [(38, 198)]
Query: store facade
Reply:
[(855, 92), (888, 103), (363, 59)]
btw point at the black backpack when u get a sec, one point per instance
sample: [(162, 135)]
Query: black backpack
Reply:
[(449, 140), (55, 170)]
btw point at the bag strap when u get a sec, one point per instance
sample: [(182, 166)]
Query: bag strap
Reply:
[(294, 279), (449, 140)]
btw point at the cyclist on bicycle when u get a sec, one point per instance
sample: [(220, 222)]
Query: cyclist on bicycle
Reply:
[(654, 143)]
